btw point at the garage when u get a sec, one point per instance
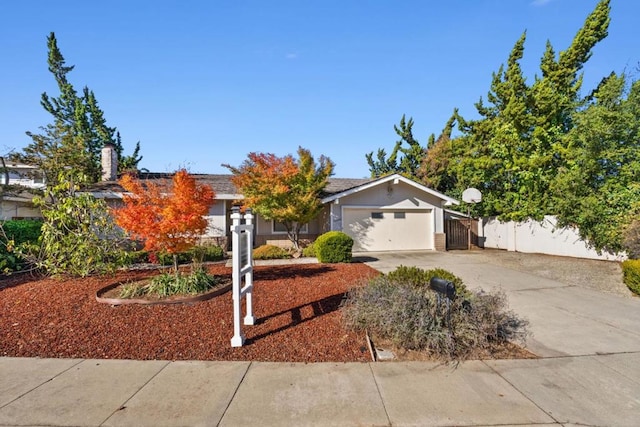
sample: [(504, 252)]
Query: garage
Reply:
[(388, 229)]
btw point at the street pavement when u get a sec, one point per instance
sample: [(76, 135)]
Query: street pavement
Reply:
[(588, 373)]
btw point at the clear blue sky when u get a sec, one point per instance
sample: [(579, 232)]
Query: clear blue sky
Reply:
[(200, 83)]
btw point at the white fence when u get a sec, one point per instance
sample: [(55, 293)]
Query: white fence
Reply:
[(542, 237)]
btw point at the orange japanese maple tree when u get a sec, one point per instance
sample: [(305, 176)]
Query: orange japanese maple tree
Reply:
[(168, 218), (283, 189)]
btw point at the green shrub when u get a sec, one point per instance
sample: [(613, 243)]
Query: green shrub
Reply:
[(197, 254), (137, 257), (270, 252), (9, 262), (417, 277), (22, 230), (79, 237), (309, 251), (631, 275), (333, 246), (207, 253), (169, 284), (165, 258), (415, 318), (412, 276), (13, 235)]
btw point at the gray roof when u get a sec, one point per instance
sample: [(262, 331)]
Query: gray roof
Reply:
[(338, 185), (222, 185)]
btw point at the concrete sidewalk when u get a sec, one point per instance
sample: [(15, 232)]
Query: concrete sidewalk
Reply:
[(587, 390), (589, 374)]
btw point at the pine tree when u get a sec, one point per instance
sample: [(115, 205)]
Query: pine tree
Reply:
[(63, 107), (78, 125), (405, 158)]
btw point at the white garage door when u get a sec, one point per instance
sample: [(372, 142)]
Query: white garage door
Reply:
[(388, 229)]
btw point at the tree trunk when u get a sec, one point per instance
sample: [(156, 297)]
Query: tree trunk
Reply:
[(175, 264), (293, 233)]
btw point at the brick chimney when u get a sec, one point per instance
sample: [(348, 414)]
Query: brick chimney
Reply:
[(109, 159)]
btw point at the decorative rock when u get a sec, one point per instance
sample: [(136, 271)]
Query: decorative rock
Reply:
[(382, 354)]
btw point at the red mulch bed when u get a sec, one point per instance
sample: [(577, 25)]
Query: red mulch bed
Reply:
[(297, 310)]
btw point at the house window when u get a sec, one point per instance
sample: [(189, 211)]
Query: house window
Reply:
[(376, 215), (279, 228), (399, 215), (38, 178)]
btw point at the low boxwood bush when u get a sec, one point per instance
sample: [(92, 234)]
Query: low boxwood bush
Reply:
[(416, 318), (309, 251), (333, 246), (631, 275), (270, 252)]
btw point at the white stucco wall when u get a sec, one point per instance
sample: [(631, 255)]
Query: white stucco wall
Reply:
[(217, 220), (10, 209), (539, 237), (389, 196)]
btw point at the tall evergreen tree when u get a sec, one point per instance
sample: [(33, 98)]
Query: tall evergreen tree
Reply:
[(405, 158), (597, 188), (78, 125), (434, 171), (63, 107), (514, 151)]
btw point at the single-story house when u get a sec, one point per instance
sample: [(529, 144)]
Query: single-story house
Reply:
[(391, 213), (383, 214)]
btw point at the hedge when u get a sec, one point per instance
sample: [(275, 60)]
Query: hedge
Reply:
[(631, 275)]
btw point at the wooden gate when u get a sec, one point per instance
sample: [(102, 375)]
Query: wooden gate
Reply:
[(457, 231)]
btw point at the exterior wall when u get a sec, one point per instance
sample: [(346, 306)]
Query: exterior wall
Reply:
[(389, 196), (10, 210), (217, 219), (265, 234), (283, 241), (440, 242), (539, 237), (217, 230), (438, 220)]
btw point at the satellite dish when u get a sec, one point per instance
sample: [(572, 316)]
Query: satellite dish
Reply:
[(471, 195)]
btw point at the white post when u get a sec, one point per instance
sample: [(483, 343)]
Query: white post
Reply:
[(249, 318), (242, 261)]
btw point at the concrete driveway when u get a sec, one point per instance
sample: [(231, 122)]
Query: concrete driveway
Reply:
[(565, 319)]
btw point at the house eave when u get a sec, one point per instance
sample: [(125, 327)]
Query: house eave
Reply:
[(395, 178)]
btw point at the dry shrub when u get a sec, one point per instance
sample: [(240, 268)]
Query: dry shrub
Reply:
[(416, 318)]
